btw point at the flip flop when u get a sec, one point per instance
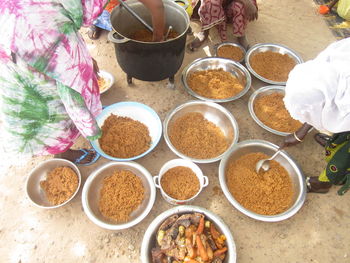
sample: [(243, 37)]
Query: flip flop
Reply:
[(86, 153), (318, 190)]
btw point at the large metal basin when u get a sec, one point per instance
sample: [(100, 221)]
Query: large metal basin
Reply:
[(284, 159)]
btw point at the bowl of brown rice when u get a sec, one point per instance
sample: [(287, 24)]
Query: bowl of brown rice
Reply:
[(118, 195), (230, 50), (53, 183), (180, 181), (269, 196), (216, 79), (271, 63), (200, 131), (130, 130), (267, 108)]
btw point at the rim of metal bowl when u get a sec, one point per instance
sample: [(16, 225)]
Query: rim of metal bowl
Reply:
[(216, 48), (131, 223), (275, 218), (76, 170), (186, 209), (290, 51), (212, 104), (252, 112), (154, 144), (196, 95)]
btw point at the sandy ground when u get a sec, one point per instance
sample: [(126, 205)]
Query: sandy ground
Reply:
[(320, 232)]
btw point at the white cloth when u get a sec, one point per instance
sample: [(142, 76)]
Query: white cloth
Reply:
[(318, 91)]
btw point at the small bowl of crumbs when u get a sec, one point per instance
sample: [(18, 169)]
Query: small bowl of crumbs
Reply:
[(180, 181), (216, 79), (267, 108), (118, 195), (230, 50), (130, 130), (105, 81), (53, 183)]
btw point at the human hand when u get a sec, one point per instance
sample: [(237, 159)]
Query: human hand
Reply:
[(158, 36), (250, 10)]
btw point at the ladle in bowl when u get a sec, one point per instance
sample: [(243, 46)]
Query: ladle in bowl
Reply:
[(265, 163)]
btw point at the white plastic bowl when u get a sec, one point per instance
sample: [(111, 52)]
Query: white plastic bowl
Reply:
[(109, 78)]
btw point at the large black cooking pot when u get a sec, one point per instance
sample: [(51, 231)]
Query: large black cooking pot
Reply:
[(149, 61)]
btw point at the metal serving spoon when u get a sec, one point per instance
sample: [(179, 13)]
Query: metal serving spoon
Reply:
[(265, 163), (134, 14)]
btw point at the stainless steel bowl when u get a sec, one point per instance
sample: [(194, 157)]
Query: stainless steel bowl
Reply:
[(35, 193), (149, 238), (257, 94), (278, 48), (214, 113), (284, 159), (228, 65), (91, 194), (230, 44)]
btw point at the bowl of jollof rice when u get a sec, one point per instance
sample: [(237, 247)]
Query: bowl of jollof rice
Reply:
[(271, 63), (118, 195), (230, 50), (269, 196), (130, 130), (267, 108), (216, 79), (200, 131)]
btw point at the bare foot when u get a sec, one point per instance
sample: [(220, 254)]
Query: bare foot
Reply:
[(243, 42), (94, 32), (198, 41), (82, 156)]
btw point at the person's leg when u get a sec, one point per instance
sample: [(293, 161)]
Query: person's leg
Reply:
[(81, 157), (235, 13), (211, 13), (322, 139), (200, 38)]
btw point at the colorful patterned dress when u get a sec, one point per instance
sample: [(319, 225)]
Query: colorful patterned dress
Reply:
[(48, 89), (103, 21), (212, 13)]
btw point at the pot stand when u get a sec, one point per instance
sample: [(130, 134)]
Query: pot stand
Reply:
[(170, 85)]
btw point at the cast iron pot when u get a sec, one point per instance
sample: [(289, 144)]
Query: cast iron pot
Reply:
[(149, 61)]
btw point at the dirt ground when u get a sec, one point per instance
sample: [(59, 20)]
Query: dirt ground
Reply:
[(319, 232)]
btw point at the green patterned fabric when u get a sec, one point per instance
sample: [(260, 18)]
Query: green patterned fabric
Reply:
[(338, 157)]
